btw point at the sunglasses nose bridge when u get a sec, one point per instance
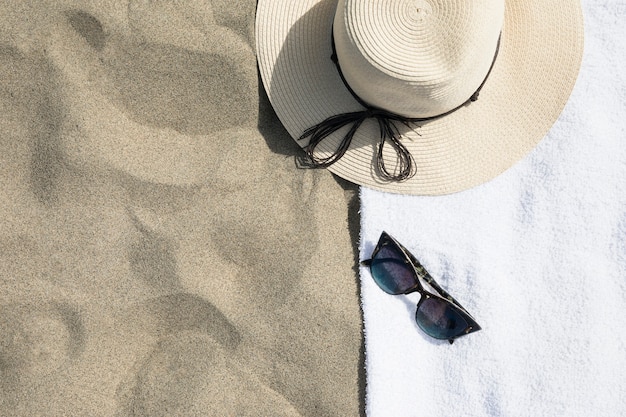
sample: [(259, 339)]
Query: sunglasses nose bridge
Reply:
[(419, 289)]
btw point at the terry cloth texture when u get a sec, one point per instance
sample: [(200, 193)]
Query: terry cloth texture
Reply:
[(537, 256)]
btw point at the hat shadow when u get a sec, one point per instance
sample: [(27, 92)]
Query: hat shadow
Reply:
[(271, 129), (278, 138)]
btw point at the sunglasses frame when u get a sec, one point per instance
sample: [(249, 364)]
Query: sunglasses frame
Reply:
[(421, 272)]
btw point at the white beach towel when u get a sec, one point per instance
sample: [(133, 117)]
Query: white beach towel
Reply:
[(537, 256)]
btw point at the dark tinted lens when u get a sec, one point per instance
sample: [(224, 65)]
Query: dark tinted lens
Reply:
[(440, 319), (391, 271)]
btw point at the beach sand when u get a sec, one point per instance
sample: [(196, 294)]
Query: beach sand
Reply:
[(160, 253)]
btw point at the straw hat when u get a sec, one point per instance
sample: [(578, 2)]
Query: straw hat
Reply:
[(419, 59)]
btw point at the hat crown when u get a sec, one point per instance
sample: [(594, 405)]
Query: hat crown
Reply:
[(416, 58)]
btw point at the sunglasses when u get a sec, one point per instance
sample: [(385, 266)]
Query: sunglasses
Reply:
[(396, 271)]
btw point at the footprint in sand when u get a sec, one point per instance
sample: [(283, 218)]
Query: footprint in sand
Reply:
[(187, 374), (189, 371), (155, 98), (36, 341)]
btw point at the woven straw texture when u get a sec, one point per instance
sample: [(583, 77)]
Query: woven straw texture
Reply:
[(535, 71)]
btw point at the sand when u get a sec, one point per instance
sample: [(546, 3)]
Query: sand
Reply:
[(160, 253)]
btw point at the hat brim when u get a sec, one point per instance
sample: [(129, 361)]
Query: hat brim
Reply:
[(533, 76)]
